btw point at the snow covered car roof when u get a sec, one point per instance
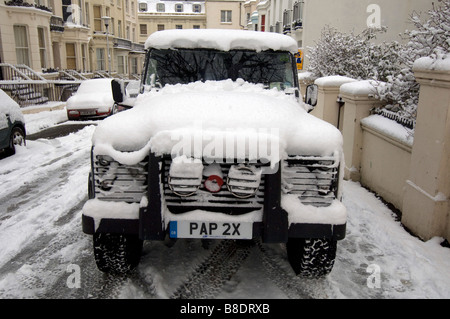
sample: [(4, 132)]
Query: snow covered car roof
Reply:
[(223, 40)]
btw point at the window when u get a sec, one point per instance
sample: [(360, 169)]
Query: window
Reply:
[(160, 27), (70, 56), (119, 28), (178, 7), (178, 26), (297, 15), (127, 29), (42, 53), (160, 7), (273, 69), (196, 26), (132, 9), (134, 66), (86, 5), (225, 16), (83, 58), (142, 6), (197, 8), (22, 51), (143, 29), (127, 6), (97, 18), (121, 64), (66, 9), (100, 59)]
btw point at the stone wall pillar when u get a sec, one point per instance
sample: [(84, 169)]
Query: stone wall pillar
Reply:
[(426, 207), (327, 107), (359, 100)]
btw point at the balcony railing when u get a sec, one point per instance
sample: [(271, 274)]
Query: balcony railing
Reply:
[(21, 3), (56, 24), (120, 43)]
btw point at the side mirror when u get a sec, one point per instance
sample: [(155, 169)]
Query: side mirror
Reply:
[(311, 94), (117, 91)]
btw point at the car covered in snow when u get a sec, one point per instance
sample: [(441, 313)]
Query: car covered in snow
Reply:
[(93, 99), (218, 145), (12, 125)]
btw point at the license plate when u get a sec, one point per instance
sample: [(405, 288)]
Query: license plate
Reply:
[(200, 229), (88, 112)]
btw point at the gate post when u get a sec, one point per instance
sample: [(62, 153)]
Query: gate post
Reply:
[(426, 207)]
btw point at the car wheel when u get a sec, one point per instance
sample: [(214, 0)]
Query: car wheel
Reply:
[(117, 253), (311, 257), (17, 138)]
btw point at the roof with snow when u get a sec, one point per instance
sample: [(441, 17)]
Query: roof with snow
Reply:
[(223, 40)]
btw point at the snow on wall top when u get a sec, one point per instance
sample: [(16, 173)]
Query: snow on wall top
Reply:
[(224, 108), (224, 40), (333, 80), (441, 63)]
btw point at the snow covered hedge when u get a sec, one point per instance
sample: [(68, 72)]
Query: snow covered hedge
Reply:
[(389, 63)]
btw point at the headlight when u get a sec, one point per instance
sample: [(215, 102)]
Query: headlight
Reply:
[(243, 181)]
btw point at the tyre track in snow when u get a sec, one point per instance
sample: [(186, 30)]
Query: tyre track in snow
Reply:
[(207, 278), (40, 221)]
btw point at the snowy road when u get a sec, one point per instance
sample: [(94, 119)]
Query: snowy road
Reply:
[(43, 250)]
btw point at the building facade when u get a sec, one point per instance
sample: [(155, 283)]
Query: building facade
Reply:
[(304, 20), (71, 34), (225, 14), (156, 15)]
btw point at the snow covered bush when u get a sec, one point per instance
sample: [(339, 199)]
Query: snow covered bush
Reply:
[(430, 38), (354, 56), (389, 63)]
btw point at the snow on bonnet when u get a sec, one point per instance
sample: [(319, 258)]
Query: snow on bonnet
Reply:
[(213, 111)]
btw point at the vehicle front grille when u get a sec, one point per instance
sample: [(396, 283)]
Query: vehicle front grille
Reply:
[(118, 182), (313, 179), (222, 201)]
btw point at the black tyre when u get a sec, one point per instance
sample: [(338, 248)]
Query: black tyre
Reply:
[(311, 257), (117, 253), (17, 138)]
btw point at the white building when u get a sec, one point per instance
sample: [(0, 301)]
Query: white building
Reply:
[(304, 20), (155, 15)]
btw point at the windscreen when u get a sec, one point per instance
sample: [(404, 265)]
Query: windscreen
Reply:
[(271, 68)]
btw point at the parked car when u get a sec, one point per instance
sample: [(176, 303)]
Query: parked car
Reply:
[(93, 99), (218, 145), (12, 125)]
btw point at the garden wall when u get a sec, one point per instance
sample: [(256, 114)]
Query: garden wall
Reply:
[(409, 168)]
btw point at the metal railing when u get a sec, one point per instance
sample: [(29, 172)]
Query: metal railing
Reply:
[(27, 87)]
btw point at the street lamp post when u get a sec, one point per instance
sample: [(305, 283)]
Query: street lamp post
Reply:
[(106, 21)]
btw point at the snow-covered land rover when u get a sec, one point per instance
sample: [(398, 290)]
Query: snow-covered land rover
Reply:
[(218, 145)]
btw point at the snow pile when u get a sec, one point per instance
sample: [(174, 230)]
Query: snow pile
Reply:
[(441, 63), (389, 128), (223, 40), (204, 114), (333, 80), (359, 88), (335, 214)]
